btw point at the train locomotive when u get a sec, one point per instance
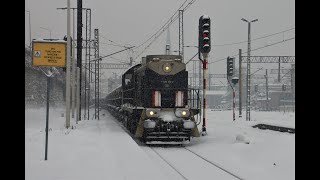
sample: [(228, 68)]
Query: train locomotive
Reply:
[(154, 102)]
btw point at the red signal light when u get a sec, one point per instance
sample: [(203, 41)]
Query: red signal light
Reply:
[(204, 35)]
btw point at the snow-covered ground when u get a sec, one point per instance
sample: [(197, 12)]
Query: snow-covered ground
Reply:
[(103, 150)]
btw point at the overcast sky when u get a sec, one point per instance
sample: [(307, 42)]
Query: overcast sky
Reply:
[(131, 22)]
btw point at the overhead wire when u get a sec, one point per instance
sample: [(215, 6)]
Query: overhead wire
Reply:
[(162, 26), (256, 49), (240, 42), (172, 19), (114, 43)]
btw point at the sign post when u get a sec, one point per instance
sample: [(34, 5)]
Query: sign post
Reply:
[(47, 117), (48, 54)]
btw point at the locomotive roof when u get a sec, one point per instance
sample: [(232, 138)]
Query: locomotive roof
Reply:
[(132, 67), (163, 57)]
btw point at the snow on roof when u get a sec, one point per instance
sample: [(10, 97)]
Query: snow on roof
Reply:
[(43, 40), (205, 16)]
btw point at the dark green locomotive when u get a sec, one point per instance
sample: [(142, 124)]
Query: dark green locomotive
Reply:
[(154, 102)]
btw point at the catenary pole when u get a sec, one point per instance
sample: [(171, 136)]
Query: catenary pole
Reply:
[(78, 95), (68, 68), (267, 91), (248, 69), (79, 48), (73, 67), (240, 84)]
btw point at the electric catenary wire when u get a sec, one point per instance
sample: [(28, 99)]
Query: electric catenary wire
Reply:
[(240, 42), (164, 27), (257, 49)]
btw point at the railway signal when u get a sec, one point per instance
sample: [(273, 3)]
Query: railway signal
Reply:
[(230, 62), (204, 34), (204, 47)]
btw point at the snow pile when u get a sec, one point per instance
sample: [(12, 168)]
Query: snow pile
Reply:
[(242, 138)]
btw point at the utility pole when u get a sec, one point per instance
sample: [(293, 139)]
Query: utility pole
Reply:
[(279, 70), (73, 59), (79, 49), (88, 20), (248, 68), (29, 28), (68, 68), (97, 66), (181, 43), (248, 76), (73, 67), (87, 64), (240, 84), (292, 71), (267, 91), (200, 75), (78, 95), (79, 52), (85, 69)]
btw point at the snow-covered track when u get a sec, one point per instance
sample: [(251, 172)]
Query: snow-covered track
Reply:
[(170, 164), (214, 164), (178, 161)]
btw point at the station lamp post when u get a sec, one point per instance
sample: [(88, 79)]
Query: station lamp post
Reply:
[(248, 68)]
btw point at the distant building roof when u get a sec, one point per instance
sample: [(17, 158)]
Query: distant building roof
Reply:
[(215, 92)]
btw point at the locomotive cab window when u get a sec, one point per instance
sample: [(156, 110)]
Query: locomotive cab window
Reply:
[(128, 79)]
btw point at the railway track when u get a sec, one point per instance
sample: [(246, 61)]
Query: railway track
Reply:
[(199, 165), (223, 173)]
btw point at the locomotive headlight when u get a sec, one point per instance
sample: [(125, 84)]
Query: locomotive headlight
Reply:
[(182, 112), (152, 112), (167, 67)]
